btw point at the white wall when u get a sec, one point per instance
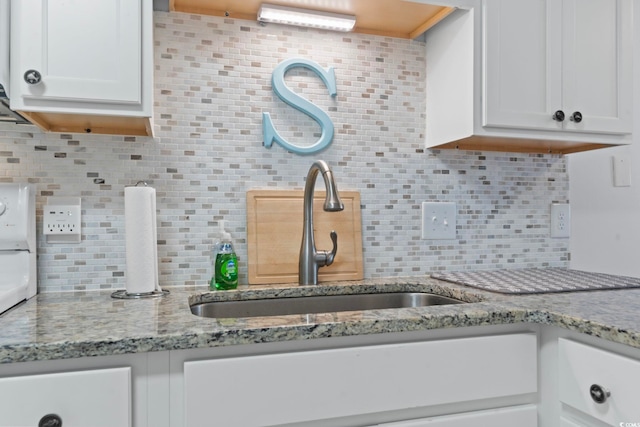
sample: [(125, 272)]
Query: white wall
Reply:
[(605, 228)]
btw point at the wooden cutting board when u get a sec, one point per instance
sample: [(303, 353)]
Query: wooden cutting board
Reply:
[(274, 236)]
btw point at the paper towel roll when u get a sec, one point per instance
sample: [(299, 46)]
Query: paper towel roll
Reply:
[(141, 239)]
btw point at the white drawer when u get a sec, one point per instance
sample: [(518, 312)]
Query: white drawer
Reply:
[(581, 366), (518, 416), (565, 422), (316, 385), (99, 398)]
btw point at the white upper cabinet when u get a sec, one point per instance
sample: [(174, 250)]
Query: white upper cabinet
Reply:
[(77, 59), (87, 51), (4, 44), (523, 63), (559, 65), (546, 76)]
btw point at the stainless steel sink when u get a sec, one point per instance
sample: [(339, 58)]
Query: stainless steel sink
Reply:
[(318, 304)]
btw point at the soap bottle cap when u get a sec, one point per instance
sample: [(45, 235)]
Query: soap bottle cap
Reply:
[(224, 235)]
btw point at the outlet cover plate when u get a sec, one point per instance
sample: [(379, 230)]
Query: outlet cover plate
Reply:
[(438, 220), (62, 220), (560, 220)]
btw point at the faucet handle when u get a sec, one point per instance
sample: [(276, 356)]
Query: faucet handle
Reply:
[(324, 258), (331, 255)]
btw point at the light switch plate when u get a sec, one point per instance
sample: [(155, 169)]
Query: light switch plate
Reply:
[(621, 171), (560, 220), (438, 220)]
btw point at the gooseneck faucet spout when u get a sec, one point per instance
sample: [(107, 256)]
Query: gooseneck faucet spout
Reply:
[(310, 258)]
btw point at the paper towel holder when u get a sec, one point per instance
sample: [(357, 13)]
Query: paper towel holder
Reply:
[(138, 184), (123, 294)]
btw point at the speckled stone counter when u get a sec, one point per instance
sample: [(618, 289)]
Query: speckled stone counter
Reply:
[(70, 325)]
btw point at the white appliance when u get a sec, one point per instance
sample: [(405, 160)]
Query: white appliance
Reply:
[(18, 276)]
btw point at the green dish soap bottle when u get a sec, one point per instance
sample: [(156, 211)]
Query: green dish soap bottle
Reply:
[(225, 263)]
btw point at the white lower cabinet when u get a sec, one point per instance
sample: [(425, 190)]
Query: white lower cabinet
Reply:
[(597, 386), (309, 386), (520, 416), (568, 423), (502, 378), (97, 398), (106, 391)]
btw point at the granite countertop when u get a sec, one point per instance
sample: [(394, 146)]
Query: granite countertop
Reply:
[(68, 325)]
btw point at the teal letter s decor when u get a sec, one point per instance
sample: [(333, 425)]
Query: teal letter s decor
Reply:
[(290, 97)]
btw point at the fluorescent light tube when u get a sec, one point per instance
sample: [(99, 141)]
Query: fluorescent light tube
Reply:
[(305, 17)]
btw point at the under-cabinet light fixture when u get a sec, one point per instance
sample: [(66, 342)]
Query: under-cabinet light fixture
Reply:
[(305, 17)]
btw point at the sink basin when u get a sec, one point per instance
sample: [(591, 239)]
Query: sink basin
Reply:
[(318, 304)]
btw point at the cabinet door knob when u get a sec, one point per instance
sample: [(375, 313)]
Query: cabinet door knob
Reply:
[(576, 117), (558, 116), (32, 77), (598, 393), (50, 420)]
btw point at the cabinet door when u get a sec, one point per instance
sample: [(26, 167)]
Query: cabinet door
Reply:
[(4, 45), (523, 416), (541, 56), (597, 65), (84, 51), (582, 367), (97, 398), (522, 63)]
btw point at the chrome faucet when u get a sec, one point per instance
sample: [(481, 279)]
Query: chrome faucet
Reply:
[(310, 258)]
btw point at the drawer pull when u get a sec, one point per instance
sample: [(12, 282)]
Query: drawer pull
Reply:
[(32, 77), (50, 420), (599, 394), (576, 117), (558, 116)]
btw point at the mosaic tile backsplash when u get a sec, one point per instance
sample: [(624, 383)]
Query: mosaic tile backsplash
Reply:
[(212, 84)]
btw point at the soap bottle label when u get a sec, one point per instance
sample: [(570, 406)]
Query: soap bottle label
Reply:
[(226, 271)]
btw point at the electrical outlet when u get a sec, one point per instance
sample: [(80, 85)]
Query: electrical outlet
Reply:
[(61, 219), (61, 223), (560, 220), (438, 220)]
